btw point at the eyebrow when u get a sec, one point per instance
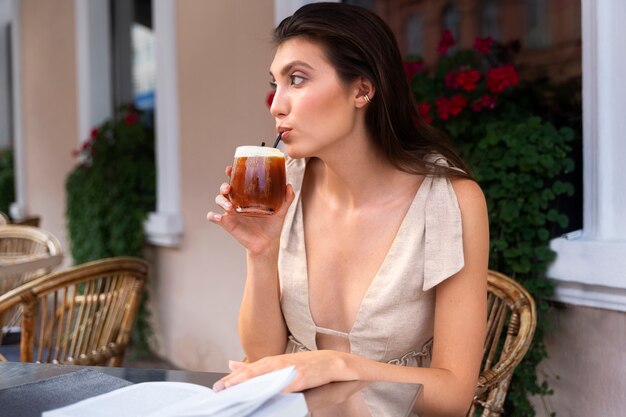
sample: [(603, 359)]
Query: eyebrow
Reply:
[(287, 68)]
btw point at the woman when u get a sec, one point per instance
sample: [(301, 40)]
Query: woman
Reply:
[(375, 268)]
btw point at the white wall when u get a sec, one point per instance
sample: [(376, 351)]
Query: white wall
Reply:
[(585, 368), (223, 52)]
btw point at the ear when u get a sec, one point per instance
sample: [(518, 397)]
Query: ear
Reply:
[(364, 92)]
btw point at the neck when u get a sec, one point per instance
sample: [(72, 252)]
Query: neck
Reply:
[(354, 177)]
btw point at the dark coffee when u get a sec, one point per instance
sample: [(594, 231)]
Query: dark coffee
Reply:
[(257, 181)]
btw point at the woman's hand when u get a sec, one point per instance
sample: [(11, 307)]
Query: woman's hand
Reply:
[(313, 369), (256, 234)]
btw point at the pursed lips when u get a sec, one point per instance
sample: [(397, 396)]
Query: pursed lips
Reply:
[(284, 132)]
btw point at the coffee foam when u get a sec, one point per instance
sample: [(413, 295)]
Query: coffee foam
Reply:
[(249, 151)]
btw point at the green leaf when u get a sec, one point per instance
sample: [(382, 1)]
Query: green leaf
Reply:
[(109, 195)]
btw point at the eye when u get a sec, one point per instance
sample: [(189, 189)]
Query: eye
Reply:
[(273, 85), (296, 79)]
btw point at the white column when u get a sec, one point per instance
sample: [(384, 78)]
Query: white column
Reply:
[(591, 266), (165, 226), (6, 103), (606, 119), (18, 208), (93, 61)]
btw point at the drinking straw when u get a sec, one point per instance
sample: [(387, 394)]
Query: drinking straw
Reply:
[(278, 139)]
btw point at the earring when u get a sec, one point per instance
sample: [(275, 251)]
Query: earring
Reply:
[(367, 99)]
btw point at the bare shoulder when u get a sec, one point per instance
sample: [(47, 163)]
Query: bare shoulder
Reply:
[(469, 195), (475, 221)]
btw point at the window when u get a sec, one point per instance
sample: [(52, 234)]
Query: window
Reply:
[(490, 19), (538, 24), (143, 67), (368, 4), (414, 30), (451, 23)]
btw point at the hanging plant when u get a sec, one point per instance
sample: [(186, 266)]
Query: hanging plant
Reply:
[(109, 195), (7, 180), (520, 161)]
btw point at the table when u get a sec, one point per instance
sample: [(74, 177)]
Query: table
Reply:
[(336, 399), (16, 265), (13, 374)]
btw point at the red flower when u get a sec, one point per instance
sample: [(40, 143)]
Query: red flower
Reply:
[(484, 102), (457, 103), (424, 111), (94, 133), (413, 67), (447, 40), (483, 45), (450, 80), (501, 78), (270, 98), (488, 102), (442, 108), (467, 79), (451, 107), (131, 119)]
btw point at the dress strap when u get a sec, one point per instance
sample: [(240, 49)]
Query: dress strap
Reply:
[(331, 332)]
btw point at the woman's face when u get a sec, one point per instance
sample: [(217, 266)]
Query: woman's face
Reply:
[(311, 105)]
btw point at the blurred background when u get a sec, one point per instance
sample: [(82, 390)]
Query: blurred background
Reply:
[(190, 78)]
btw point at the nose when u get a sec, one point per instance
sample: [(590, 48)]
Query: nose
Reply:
[(280, 104)]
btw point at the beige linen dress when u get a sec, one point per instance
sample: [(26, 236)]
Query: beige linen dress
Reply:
[(395, 320)]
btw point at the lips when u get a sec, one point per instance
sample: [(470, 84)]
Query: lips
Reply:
[(284, 132)]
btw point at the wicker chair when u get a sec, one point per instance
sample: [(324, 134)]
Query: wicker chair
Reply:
[(510, 328), (26, 253), (27, 243), (82, 315), (4, 219)]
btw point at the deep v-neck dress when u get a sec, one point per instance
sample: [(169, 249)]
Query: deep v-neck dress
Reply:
[(395, 320)]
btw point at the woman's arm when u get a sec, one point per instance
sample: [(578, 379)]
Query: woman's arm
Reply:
[(460, 325), (262, 328)]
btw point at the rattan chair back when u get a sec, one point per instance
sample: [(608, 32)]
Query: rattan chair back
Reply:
[(4, 219), (26, 243), (35, 251), (82, 315), (512, 319)]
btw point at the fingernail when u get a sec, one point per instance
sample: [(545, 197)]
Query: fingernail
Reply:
[(227, 205), (217, 217), (218, 386)]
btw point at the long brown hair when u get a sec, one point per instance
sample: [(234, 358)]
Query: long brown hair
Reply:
[(358, 43)]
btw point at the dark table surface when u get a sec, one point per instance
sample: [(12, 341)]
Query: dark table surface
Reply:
[(337, 399), (16, 373)]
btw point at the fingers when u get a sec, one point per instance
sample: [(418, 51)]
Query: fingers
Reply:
[(234, 365), (224, 188), (289, 197), (242, 372), (224, 203), (228, 170), (214, 217)]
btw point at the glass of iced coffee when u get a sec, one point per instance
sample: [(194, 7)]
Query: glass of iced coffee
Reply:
[(257, 181)]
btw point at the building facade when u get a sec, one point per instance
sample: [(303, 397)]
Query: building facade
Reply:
[(212, 59)]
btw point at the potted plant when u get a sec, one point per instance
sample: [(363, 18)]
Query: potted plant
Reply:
[(109, 195), (518, 157)]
